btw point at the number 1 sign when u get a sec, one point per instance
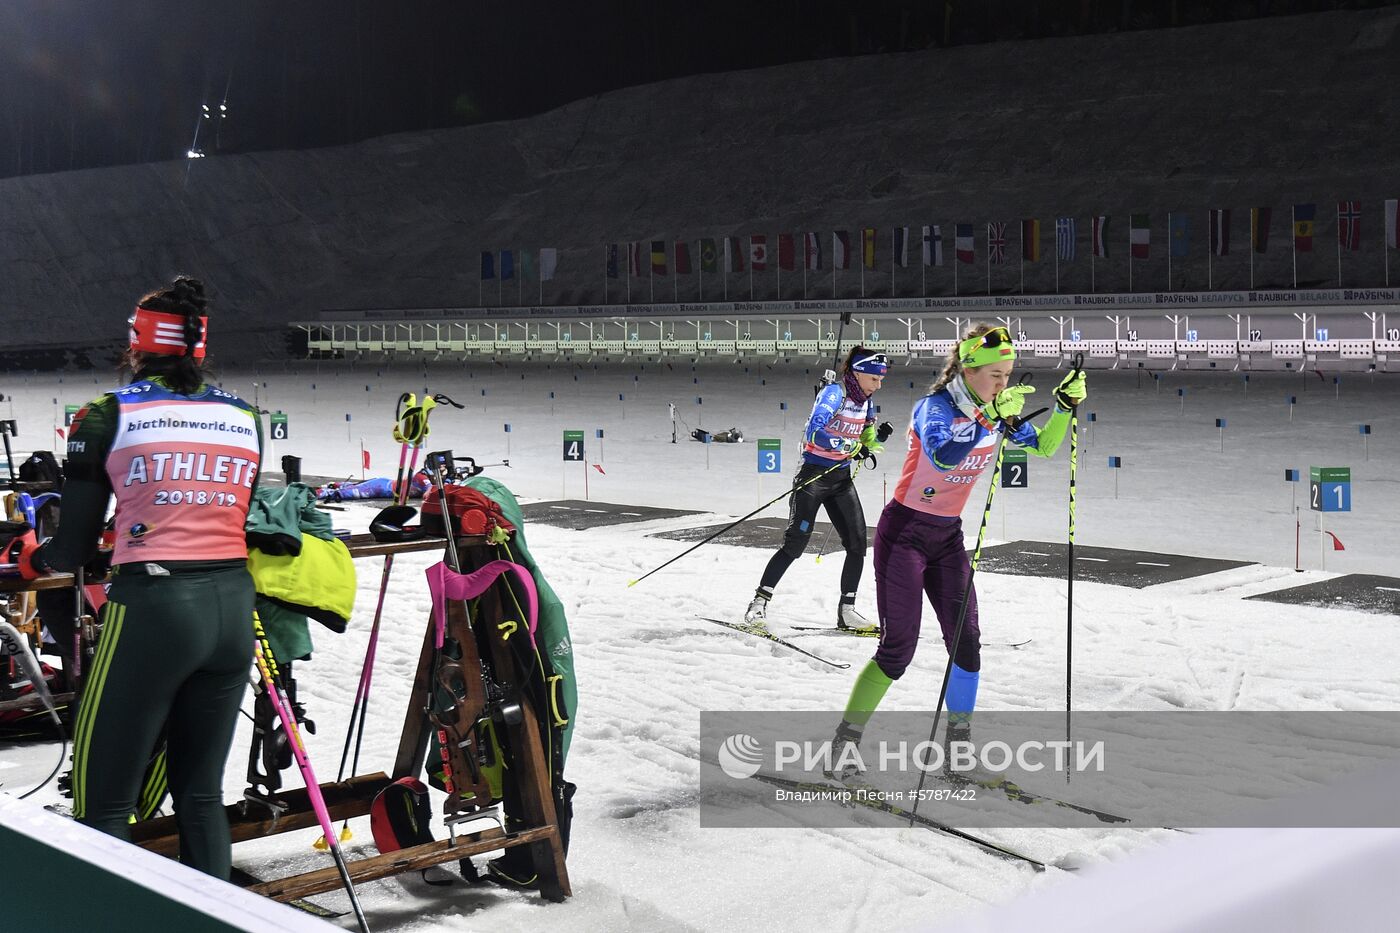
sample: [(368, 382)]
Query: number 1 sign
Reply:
[(1330, 489)]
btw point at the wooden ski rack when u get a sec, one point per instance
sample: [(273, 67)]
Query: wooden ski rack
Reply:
[(353, 797)]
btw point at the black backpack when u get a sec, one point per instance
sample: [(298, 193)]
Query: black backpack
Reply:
[(41, 467)]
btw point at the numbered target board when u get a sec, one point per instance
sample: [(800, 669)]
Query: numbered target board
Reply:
[(279, 426), (1330, 489), (770, 455), (1013, 470), (573, 445)]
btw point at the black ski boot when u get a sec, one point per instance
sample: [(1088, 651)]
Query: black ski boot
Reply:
[(845, 762)]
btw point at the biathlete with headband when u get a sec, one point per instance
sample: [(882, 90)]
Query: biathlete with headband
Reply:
[(840, 430), (182, 458), (919, 546)]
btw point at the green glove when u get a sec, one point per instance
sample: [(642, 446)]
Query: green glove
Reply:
[(1070, 392), (869, 440), (1008, 403)]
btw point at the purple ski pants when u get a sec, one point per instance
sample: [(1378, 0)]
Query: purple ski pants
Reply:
[(918, 555)]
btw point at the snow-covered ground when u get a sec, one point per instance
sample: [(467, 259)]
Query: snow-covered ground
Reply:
[(646, 667)]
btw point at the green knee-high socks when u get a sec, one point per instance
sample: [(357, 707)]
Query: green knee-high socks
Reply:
[(866, 695)]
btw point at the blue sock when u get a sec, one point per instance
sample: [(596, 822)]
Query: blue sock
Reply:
[(962, 695)]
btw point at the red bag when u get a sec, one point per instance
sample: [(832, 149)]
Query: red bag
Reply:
[(474, 513)]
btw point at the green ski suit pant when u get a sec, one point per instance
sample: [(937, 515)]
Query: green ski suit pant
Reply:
[(175, 651)]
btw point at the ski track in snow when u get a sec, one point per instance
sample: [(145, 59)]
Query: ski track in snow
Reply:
[(646, 666)]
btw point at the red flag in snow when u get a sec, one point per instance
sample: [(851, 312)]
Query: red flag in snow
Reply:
[(364, 458), (599, 468), (1336, 543), (59, 432)]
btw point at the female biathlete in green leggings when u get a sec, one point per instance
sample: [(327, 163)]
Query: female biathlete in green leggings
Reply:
[(177, 638)]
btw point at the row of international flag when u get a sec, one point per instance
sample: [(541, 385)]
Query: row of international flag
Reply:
[(805, 251), (539, 265)]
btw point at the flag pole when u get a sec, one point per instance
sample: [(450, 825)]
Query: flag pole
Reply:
[(1057, 255), (675, 273), (780, 266), (1130, 252), (479, 300), (989, 259), (628, 279), (651, 279), (805, 260), (957, 260), (750, 268), (833, 267), (1170, 244), (700, 272), (1093, 253), (1210, 249), (1339, 244), (1385, 248), (894, 258), (862, 265), (1023, 257), (1295, 246), (926, 256)]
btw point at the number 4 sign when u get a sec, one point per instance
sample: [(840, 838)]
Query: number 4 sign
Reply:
[(573, 445)]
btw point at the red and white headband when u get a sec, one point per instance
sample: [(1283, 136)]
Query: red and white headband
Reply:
[(162, 333)]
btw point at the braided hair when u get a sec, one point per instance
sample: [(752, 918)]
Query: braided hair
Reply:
[(184, 374)]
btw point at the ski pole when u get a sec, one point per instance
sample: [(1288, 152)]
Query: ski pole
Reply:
[(417, 427), (405, 442), (967, 592), (855, 471), (410, 429), (267, 666), (9, 456), (736, 523), (409, 399), (1069, 561)]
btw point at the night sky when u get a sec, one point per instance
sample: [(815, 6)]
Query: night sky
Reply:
[(87, 83)]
